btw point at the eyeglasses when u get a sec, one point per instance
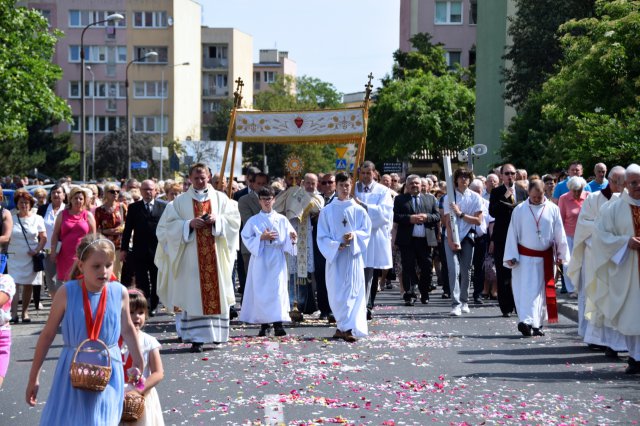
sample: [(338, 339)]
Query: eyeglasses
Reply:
[(509, 173), (113, 191), (327, 182)]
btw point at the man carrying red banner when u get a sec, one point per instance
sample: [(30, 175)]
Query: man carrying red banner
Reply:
[(535, 240)]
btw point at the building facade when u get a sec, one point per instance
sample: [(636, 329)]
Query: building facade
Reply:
[(271, 64), (227, 54), (164, 90), (451, 22)]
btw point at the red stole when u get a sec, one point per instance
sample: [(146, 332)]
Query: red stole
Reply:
[(207, 263), (550, 285), (635, 216)]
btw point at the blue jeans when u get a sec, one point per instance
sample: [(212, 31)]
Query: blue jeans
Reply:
[(459, 265)]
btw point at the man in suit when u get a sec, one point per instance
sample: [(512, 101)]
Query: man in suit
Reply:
[(142, 220), (240, 266), (328, 191), (502, 201), (250, 175), (417, 216)]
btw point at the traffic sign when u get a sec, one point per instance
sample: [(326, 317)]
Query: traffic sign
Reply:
[(341, 151), (391, 167), (341, 164), (140, 165)]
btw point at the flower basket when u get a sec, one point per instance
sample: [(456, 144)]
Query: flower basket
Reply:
[(90, 377), (133, 407)]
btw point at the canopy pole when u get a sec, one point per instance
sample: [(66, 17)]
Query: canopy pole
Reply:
[(237, 99)]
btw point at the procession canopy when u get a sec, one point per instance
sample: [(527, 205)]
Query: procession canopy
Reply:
[(301, 127)]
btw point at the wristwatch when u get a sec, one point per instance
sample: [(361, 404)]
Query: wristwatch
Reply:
[(461, 215)]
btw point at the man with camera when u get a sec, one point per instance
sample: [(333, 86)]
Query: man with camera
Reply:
[(467, 207)]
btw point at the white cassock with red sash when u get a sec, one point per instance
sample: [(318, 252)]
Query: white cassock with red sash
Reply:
[(195, 266), (535, 239)]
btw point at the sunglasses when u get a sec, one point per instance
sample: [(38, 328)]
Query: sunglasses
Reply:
[(509, 173), (113, 191)]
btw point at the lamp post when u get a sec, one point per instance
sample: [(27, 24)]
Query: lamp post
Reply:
[(83, 148), (163, 95), (126, 86), (93, 123)]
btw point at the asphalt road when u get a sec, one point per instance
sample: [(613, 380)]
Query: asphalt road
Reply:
[(418, 366)]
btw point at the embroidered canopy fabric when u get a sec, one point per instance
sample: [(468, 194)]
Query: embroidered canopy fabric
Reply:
[(300, 126)]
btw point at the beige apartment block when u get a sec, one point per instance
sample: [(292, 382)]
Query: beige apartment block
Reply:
[(164, 94), (226, 55), (271, 64)]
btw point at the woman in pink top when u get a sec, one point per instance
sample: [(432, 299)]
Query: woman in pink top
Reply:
[(570, 205), (71, 226)]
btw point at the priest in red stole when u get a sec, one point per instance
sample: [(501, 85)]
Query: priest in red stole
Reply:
[(197, 243)]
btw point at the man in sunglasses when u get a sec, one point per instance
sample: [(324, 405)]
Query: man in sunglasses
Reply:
[(502, 201)]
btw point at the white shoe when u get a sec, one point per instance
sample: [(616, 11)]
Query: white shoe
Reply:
[(465, 308), (455, 312)]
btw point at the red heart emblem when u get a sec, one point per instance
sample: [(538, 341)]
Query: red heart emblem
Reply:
[(298, 121)]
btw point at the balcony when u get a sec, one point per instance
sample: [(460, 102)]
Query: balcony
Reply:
[(215, 92), (215, 63)]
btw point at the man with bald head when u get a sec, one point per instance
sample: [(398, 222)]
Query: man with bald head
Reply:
[(600, 182), (142, 221)]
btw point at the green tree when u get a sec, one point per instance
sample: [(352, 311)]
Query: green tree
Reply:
[(423, 106), (289, 94), (220, 127), (26, 72), (111, 154), (589, 108)]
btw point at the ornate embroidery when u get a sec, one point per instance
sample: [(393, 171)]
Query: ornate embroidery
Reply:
[(207, 263), (635, 215)]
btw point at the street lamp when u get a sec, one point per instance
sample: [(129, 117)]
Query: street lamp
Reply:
[(162, 116), (126, 86), (110, 18), (93, 123)]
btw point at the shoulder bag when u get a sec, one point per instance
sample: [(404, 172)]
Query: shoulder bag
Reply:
[(38, 258)]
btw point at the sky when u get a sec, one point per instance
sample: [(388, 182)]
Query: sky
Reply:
[(337, 41)]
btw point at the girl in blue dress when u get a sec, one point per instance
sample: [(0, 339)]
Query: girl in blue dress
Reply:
[(92, 276)]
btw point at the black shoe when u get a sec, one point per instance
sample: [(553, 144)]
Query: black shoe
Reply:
[(594, 347), (388, 286), (369, 314), (196, 347), (633, 368), (233, 313), (424, 300), (525, 329), (14, 320), (610, 353), (478, 301), (323, 317), (432, 287), (278, 330), (446, 296), (409, 302), (538, 331), (506, 315), (331, 319), (152, 313), (264, 329)]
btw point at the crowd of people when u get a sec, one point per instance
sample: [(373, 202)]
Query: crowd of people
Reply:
[(325, 245)]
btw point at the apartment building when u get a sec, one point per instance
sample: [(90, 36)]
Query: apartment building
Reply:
[(164, 91), (450, 22), (271, 64), (227, 54)]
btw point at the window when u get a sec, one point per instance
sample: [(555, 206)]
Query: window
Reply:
[(82, 18), (256, 80), (472, 56), (448, 12), (99, 54), (218, 52), (452, 59), (149, 124), (102, 124), (473, 12), (46, 14), (150, 89), (150, 19), (269, 76), (162, 58), (102, 89), (221, 81)]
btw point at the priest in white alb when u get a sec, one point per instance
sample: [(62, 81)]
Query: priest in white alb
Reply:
[(581, 268), (617, 240), (343, 234), (197, 243), (535, 241), (377, 201), (268, 236)]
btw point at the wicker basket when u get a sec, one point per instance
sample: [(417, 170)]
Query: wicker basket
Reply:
[(133, 407), (90, 377)]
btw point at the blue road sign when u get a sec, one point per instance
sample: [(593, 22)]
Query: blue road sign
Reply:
[(341, 164), (351, 168), (140, 165)]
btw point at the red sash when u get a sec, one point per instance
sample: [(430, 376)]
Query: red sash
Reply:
[(93, 326), (550, 285)]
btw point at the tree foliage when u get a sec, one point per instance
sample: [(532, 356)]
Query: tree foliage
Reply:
[(422, 107), (26, 72), (289, 94), (111, 154), (589, 109)]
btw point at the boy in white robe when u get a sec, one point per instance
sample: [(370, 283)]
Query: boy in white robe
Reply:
[(534, 232), (344, 229), (268, 236)]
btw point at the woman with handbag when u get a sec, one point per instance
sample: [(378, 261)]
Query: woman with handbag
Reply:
[(28, 238)]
